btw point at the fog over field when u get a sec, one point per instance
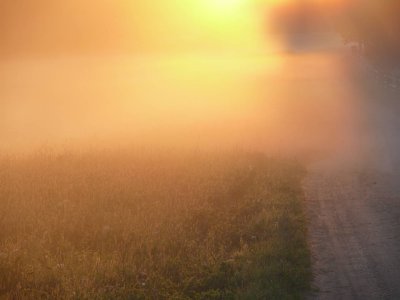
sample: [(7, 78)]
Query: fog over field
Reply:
[(207, 75), (199, 149), (275, 103)]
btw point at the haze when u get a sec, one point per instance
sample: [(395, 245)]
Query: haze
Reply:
[(179, 73)]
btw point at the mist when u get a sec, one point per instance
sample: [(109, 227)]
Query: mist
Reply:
[(110, 75), (199, 149)]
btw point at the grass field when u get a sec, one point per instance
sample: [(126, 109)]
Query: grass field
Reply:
[(145, 225)]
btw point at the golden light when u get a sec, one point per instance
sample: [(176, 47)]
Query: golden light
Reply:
[(227, 5)]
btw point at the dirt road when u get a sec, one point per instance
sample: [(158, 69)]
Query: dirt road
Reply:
[(353, 197)]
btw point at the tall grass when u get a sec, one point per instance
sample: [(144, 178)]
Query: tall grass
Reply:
[(131, 225)]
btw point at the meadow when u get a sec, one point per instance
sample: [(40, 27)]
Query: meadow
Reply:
[(138, 224)]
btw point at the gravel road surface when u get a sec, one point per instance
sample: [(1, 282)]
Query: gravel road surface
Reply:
[(353, 197)]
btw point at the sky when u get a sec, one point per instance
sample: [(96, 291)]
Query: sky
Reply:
[(48, 27), (187, 93)]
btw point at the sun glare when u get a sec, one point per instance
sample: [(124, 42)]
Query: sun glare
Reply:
[(227, 5)]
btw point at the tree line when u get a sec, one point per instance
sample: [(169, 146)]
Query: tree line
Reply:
[(375, 26)]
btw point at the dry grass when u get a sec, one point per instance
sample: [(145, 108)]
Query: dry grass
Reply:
[(135, 225)]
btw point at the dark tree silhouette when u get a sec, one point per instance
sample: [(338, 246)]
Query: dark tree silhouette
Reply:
[(375, 26)]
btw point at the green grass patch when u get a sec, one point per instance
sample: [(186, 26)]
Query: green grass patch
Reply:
[(133, 225)]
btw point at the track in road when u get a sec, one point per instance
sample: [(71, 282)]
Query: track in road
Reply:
[(353, 198)]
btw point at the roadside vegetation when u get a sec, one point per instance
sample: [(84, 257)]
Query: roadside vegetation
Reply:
[(145, 225)]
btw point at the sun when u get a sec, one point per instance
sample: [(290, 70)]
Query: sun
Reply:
[(227, 5)]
